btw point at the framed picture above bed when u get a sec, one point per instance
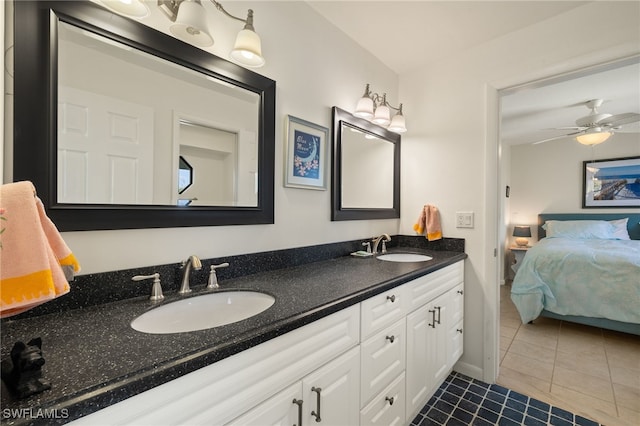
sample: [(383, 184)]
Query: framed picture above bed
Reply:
[(614, 182)]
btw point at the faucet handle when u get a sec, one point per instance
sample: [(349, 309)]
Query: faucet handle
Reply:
[(368, 245), (213, 278), (156, 290), (384, 247)]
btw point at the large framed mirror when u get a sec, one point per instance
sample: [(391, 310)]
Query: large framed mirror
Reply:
[(366, 169), (109, 113)]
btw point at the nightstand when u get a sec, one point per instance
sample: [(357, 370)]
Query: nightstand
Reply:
[(518, 254)]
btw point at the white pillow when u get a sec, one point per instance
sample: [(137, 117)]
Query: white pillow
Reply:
[(620, 228), (580, 229)]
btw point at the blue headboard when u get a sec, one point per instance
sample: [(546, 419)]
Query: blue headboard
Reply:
[(633, 226)]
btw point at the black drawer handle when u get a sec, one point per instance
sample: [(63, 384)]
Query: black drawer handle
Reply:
[(389, 400), (392, 298), (433, 320), (460, 292), (459, 330), (313, 413), (390, 338)]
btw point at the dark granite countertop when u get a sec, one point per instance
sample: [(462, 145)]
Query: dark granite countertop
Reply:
[(95, 359)]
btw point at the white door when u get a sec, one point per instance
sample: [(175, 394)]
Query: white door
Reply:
[(332, 393), (283, 409), (105, 149)]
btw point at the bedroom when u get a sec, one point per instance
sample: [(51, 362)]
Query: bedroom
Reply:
[(552, 358)]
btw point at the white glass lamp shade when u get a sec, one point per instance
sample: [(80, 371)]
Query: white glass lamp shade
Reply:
[(364, 108), (398, 124), (382, 115), (133, 8), (248, 49), (191, 25), (593, 138)]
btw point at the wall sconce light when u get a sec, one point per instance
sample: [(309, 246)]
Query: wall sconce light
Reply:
[(373, 107), (522, 233), (593, 136), (190, 25)]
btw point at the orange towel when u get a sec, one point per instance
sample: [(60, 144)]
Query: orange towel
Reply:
[(33, 255), (429, 223)]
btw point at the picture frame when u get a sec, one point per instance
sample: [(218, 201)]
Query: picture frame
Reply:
[(306, 154), (613, 182)]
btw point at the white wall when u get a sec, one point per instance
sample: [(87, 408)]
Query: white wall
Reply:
[(315, 67), (451, 110), (547, 178)]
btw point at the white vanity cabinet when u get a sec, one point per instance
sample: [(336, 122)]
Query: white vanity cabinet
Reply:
[(434, 343), (374, 363), (221, 392)]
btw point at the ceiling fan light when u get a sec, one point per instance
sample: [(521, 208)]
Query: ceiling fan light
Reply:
[(593, 138), (191, 24)]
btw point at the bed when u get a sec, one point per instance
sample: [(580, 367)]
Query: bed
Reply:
[(585, 271)]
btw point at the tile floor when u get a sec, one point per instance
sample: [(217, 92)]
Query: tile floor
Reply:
[(465, 401), (592, 372)]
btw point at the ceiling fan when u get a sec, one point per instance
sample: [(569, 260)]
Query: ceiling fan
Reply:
[(596, 127)]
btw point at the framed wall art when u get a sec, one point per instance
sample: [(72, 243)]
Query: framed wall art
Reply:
[(611, 183), (307, 154)]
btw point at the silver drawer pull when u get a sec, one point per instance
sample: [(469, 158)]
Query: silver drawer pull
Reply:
[(459, 330), (392, 298), (298, 402), (390, 338), (389, 400), (460, 292)]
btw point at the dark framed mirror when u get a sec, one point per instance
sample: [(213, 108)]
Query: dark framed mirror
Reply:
[(366, 169), (47, 112)]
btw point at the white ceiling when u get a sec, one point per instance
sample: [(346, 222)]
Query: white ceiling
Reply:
[(436, 29)]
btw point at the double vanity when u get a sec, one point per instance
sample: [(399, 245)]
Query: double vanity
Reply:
[(347, 340)]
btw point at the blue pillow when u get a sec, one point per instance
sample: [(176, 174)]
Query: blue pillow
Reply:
[(580, 229)]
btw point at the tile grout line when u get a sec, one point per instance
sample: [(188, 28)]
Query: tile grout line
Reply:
[(613, 389)]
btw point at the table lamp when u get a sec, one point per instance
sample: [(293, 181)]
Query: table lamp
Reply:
[(521, 232)]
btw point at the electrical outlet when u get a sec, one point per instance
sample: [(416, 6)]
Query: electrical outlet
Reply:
[(464, 219)]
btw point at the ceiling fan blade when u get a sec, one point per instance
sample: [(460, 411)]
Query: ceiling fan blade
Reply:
[(555, 138), (620, 119)]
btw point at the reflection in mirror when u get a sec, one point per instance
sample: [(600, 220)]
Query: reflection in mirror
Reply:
[(370, 165), (366, 169), (185, 175), (103, 111), (115, 138)]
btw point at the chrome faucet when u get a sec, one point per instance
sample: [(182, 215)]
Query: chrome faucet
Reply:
[(191, 262), (385, 238)]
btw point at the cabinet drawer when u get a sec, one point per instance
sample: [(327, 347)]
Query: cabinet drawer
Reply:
[(382, 310), (387, 408), (382, 359), (423, 289)]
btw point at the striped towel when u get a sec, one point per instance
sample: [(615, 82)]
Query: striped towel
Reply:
[(35, 262)]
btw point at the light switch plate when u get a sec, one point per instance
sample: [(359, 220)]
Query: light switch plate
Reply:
[(464, 219)]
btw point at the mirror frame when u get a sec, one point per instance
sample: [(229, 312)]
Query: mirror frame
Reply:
[(35, 117), (338, 212)]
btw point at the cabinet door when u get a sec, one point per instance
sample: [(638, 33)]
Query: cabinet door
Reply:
[(427, 362), (438, 351), (283, 409), (419, 337), (331, 394)]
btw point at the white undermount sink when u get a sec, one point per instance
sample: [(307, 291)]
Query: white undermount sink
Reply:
[(203, 312), (404, 257)]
